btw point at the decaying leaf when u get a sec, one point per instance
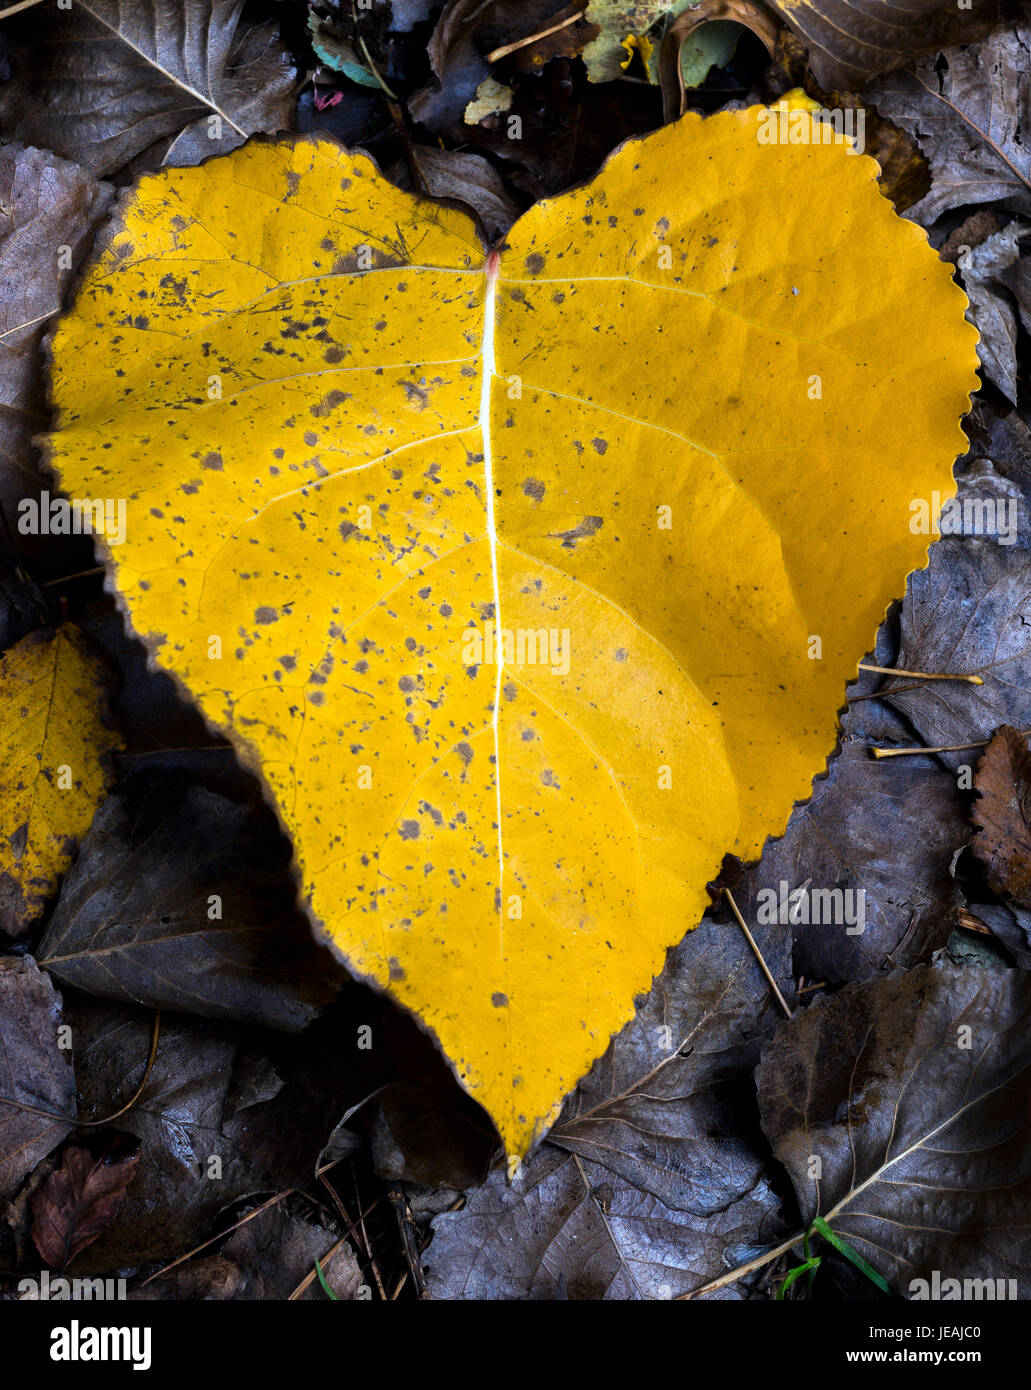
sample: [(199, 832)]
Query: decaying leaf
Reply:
[(468, 180), (1003, 812), (215, 1123), (705, 36), (667, 1108), (899, 1107), (567, 1228), (49, 210), (269, 1257), (34, 1070), (861, 878), (971, 119), (851, 41), (983, 267), (367, 463), (467, 31), (77, 1202), (181, 899), (113, 77), (968, 612), (615, 20), (57, 736)]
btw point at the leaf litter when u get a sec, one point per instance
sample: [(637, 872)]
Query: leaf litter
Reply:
[(666, 1172)]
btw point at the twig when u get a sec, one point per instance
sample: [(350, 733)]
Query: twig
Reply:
[(921, 675), (368, 1247), (758, 954), (98, 1124), (368, 56), (971, 923), (14, 9), (309, 1278), (271, 1202), (406, 1225), (735, 1274), (948, 748), (508, 48), (82, 574)]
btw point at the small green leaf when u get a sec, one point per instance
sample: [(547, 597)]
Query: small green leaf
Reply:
[(322, 1280), (821, 1228), (810, 1267)]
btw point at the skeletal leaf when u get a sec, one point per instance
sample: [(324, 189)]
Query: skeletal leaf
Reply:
[(968, 109), (640, 460), (57, 735)]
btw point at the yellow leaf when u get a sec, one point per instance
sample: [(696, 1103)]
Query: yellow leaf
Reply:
[(57, 734), (680, 429), (636, 43)]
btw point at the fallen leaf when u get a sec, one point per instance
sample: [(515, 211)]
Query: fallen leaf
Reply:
[(566, 1228), (662, 1109), (215, 1123), (57, 735), (21, 606), (994, 316), (78, 1202), (971, 120), (605, 55), (268, 1257), (466, 32), (972, 231), (467, 181), (1017, 278), (703, 37), (1011, 925), (417, 1133), (113, 77), (50, 208), (338, 52), (491, 99), (373, 717), (183, 900), (852, 41), (969, 612), (899, 1109), (861, 877), (1002, 812), (34, 1069)]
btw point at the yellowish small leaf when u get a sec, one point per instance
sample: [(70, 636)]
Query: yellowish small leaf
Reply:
[(57, 734)]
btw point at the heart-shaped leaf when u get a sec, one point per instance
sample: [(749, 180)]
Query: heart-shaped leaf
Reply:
[(528, 584)]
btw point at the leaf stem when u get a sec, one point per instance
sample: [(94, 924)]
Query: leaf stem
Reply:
[(508, 48), (945, 748), (758, 954), (921, 675), (98, 1124)]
